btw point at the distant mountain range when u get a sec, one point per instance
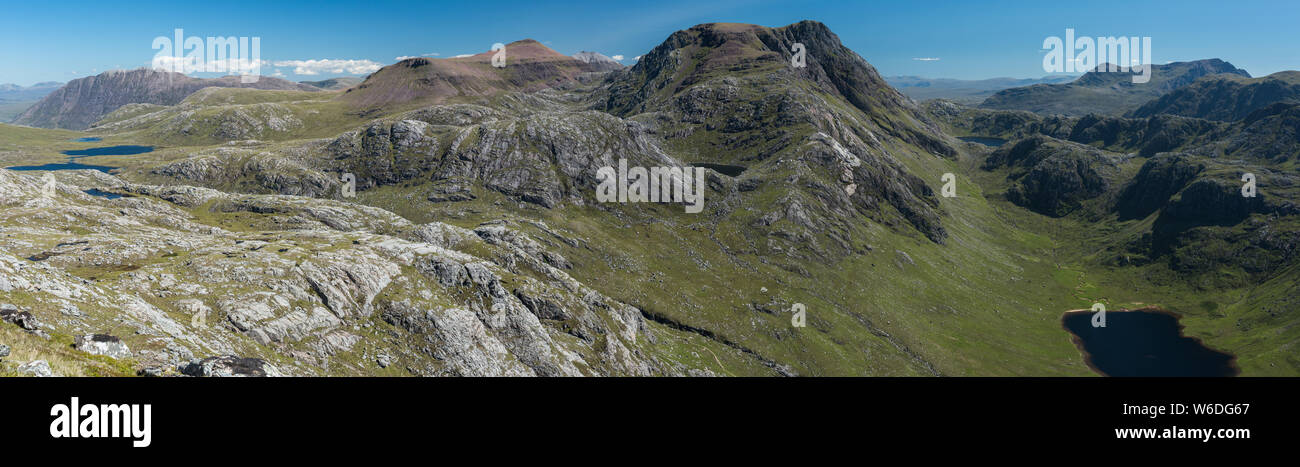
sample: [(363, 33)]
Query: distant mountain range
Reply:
[(1103, 92), (598, 59), (14, 99), (84, 101), (334, 84), (14, 92), (965, 91), (1226, 97)]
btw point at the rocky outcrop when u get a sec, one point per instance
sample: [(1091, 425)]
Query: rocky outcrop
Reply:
[(542, 159), (1207, 201), (1053, 177), (227, 366), (23, 319), (1159, 179), (322, 287), (103, 344), (36, 368), (387, 153)]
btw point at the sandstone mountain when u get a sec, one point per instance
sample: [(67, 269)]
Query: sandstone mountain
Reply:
[(530, 66), (84, 101)]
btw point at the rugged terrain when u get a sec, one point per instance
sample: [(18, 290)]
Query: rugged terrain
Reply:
[(475, 245), (1107, 92)]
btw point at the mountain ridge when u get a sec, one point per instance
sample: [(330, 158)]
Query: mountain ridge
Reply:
[(1106, 92), (82, 102), (1225, 97)]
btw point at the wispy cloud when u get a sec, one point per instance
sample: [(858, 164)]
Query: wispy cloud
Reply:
[(196, 65), (926, 59), (405, 57), (316, 67), (617, 58)]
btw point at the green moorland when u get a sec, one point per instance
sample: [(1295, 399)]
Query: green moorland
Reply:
[(986, 302), (881, 297)]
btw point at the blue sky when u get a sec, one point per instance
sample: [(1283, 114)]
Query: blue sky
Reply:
[(60, 41)]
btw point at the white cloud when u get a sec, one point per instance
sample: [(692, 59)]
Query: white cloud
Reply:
[(926, 59), (617, 58), (405, 57), (463, 56), (637, 58), (234, 66), (278, 73), (315, 67)]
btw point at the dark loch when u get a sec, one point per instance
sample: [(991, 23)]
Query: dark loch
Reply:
[(1146, 342), (64, 166), (110, 151)]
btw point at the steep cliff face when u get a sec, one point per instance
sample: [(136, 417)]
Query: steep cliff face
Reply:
[(84, 101)]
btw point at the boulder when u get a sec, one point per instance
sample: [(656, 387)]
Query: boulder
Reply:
[(103, 344), (37, 368), (22, 319), (228, 365)]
